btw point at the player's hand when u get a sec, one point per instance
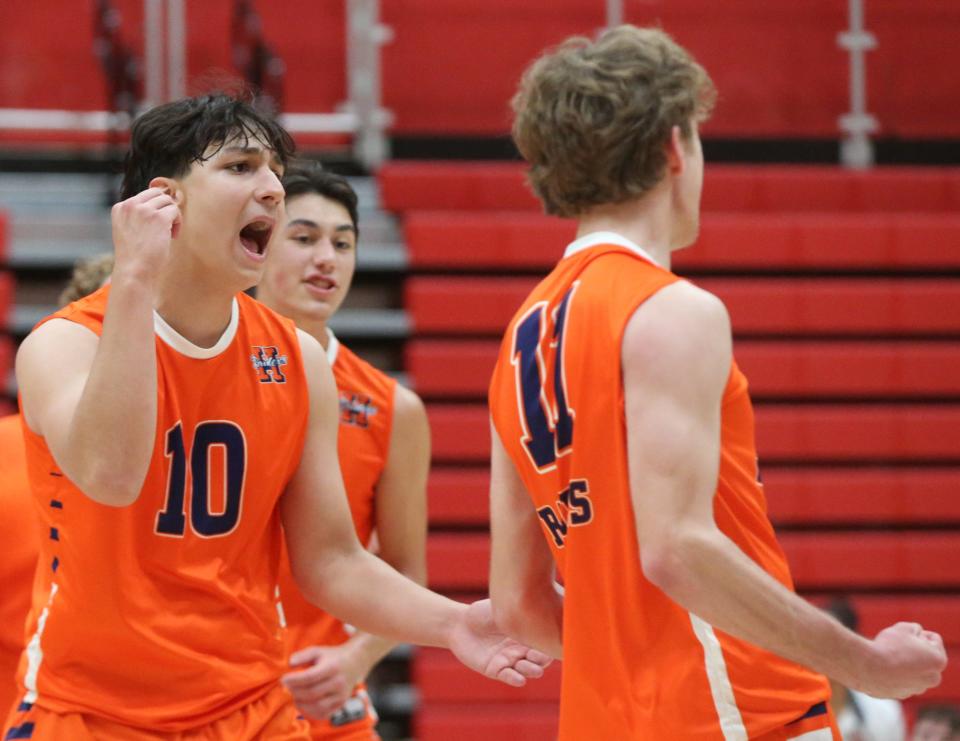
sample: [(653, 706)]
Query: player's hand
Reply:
[(326, 681), (908, 660), (143, 226), (480, 645)]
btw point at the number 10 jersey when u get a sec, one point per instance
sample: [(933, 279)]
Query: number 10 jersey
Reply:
[(161, 615)]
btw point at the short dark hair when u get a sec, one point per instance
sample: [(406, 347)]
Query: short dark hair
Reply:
[(166, 140), (303, 176), (949, 714)]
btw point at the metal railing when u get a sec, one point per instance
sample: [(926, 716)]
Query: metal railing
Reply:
[(164, 73), (856, 149)]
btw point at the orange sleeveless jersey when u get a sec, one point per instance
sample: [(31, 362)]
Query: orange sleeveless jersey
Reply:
[(366, 420), (161, 615), (636, 665), (21, 543)]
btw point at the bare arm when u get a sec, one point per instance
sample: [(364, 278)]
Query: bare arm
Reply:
[(401, 526), (334, 572), (401, 508), (526, 603), (86, 396), (676, 360)]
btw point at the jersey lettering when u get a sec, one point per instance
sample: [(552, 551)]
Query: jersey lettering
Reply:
[(573, 508), (205, 523), (548, 429)]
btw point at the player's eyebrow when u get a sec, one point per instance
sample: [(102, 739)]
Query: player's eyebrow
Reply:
[(251, 150), (310, 224)]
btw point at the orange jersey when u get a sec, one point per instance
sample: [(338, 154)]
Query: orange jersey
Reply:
[(366, 421), (21, 544), (161, 614), (636, 665)]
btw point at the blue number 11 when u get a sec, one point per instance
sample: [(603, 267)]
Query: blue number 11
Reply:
[(548, 429)]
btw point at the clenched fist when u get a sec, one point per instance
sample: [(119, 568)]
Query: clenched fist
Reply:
[(143, 226)]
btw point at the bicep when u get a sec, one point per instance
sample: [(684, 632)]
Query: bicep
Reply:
[(676, 360), (52, 367), (401, 492), (314, 509)]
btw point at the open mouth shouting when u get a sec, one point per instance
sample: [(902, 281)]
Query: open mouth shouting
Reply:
[(255, 236)]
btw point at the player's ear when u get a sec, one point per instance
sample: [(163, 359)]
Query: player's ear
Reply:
[(676, 160), (169, 186)]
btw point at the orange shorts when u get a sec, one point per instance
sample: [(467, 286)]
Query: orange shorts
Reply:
[(272, 717), (355, 721), (820, 726)]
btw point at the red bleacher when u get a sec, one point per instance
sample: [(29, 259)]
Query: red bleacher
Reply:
[(776, 369), (798, 306), (823, 495), (409, 187), (510, 239), (842, 292)]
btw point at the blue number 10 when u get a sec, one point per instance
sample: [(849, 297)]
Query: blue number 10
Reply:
[(548, 429), (205, 523)]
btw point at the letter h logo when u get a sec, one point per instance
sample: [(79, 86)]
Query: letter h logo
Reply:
[(267, 361)]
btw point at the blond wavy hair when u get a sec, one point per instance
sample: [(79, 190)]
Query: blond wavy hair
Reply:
[(592, 117), (89, 274)]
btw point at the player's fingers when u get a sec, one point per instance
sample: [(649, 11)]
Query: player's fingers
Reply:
[(145, 195), (538, 657), (304, 656), (511, 676), (912, 628), (315, 676), (320, 689), (528, 669)]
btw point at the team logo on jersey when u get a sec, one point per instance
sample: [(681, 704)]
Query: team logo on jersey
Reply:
[(267, 362), (356, 409)]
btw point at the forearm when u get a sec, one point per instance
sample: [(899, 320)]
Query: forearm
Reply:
[(119, 397), (533, 619), (706, 573), (362, 590)]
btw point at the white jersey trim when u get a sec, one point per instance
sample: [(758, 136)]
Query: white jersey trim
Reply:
[(823, 734), (731, 722), (333, 347), (183, 346), (594, 238), (35, 651)]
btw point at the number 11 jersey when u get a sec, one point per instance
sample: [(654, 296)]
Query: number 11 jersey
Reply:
[(636, 665)]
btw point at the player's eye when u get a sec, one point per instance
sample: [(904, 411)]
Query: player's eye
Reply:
[(239, 167)]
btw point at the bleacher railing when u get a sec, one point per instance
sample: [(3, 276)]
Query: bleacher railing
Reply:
[(361, 115)]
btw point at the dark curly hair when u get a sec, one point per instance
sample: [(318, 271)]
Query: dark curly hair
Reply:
[(592, 117), (166, 140)]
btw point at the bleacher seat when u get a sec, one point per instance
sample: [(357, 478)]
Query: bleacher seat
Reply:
[(483, 187), (826, 495), (469, 305), (505, 240), (441, 368)]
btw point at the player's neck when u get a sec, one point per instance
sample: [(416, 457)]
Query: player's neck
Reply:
[(648, 222), (198, 310)]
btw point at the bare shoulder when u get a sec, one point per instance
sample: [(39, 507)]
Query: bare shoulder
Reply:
[(312, 351), (58, 345), (54, 359), (407, 406), (680, 335)]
